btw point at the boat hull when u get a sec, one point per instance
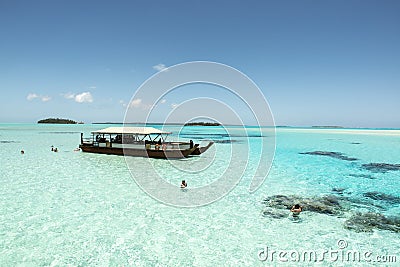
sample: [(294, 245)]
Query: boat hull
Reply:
[(134, 152)]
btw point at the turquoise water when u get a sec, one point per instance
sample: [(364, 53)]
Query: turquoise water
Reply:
[(80, 209)]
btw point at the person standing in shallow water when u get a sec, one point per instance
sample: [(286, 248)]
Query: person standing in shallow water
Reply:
[(183, 184), (296, 209)]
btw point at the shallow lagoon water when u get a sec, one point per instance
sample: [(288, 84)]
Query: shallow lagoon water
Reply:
[(81, 209)]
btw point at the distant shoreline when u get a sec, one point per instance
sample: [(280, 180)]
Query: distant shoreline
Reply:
[(361, 131), (228, 125), (327, 127), (202, 124), (315, 127), (170, 123)]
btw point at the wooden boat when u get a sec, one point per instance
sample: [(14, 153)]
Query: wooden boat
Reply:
[(138, 142), (200, 150)]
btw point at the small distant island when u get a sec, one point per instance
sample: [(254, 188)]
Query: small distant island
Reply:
[(328, 126), (202, 124), (59, 121)]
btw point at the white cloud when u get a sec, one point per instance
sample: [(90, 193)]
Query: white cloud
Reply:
[(31, 96), (84, 97), (160, 67), (122, 102), (68, 95), (80, 98), (135, 103), (163, 101), (138, 103), (46, 98), (92, 87)]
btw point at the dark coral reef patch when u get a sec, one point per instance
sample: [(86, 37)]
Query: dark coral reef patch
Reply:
[(278, 206), (381, 167), (383, 197), (336, 155), (367, 222)]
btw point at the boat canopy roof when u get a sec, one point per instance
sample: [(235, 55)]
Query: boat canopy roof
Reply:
[(130, 130)]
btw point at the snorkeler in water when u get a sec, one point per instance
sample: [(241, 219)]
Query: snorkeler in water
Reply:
[(296, 209)]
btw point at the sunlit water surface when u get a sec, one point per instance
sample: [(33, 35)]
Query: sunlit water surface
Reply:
[(79, 209)]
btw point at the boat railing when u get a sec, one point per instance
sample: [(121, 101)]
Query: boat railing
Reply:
[(106, 142), (87, 141)]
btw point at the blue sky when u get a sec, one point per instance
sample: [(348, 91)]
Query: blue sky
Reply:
[(317, 62)]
